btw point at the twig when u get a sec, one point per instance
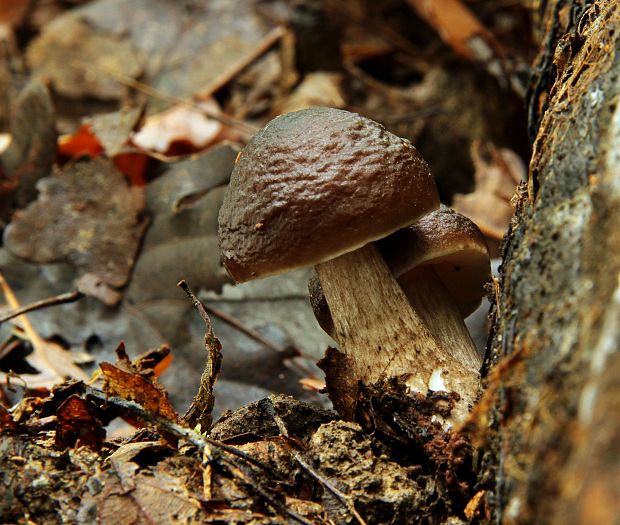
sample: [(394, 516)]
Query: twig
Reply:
[(199, 306), (258, 489), (343, 498), (238, 325), (260, 49), (201, 409), (172, 428), (246, 128), (253, 334), (44, 356), (64, 298)]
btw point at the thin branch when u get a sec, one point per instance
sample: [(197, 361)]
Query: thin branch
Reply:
[(246, 128), (172, 428), (198, 305), (238, 325), (259, 50), (259, 490), (343, 498), (64, 298)]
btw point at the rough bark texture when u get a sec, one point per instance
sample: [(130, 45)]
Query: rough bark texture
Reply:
[(554, 426)]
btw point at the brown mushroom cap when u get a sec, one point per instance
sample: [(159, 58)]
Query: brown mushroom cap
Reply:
[(317, 183), (455, 247)]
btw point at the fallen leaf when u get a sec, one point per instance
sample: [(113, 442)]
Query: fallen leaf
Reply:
[(497, 173), (489, 212), (320, 88), (114, 129), (77, 426), (97, 49), (124, 380), (496, 170), (135, 493), (93, 285), (86, 214), (180, 124), (134, 166), (82, 143), (79, 60), (88, 326)]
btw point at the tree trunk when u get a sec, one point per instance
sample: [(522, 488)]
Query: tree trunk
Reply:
[(553, 402)]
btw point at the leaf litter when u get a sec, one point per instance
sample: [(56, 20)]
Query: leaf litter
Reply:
[(141, 69)]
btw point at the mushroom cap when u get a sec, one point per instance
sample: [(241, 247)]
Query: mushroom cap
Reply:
[(315, 184), (455, 247)]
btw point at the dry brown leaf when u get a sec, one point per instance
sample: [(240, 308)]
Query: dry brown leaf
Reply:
[(134, 496), (80, 61), (77, 426), (498, 171), (86, 214), (488, 211), (113, 129), (125, 381)]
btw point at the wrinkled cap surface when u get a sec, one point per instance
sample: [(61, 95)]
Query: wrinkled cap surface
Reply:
[(317, 183), (455, 247)]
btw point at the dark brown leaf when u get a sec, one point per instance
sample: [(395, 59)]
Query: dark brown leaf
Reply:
[(77, 425), (86, 214)]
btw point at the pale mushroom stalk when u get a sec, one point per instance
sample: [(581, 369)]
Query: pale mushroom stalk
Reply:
[(376, 326), (433, 302)]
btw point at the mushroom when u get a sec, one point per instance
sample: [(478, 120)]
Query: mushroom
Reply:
[(317, 187), (442, 264)]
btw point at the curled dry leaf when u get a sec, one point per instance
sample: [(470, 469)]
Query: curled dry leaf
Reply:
[(498, 171), (180, 124), (77, 425), (127, 381)]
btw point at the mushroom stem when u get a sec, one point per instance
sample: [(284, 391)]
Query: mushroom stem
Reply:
[(432, 301), (376, 326)]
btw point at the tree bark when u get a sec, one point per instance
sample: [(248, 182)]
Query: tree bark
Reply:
[(552, 418)]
